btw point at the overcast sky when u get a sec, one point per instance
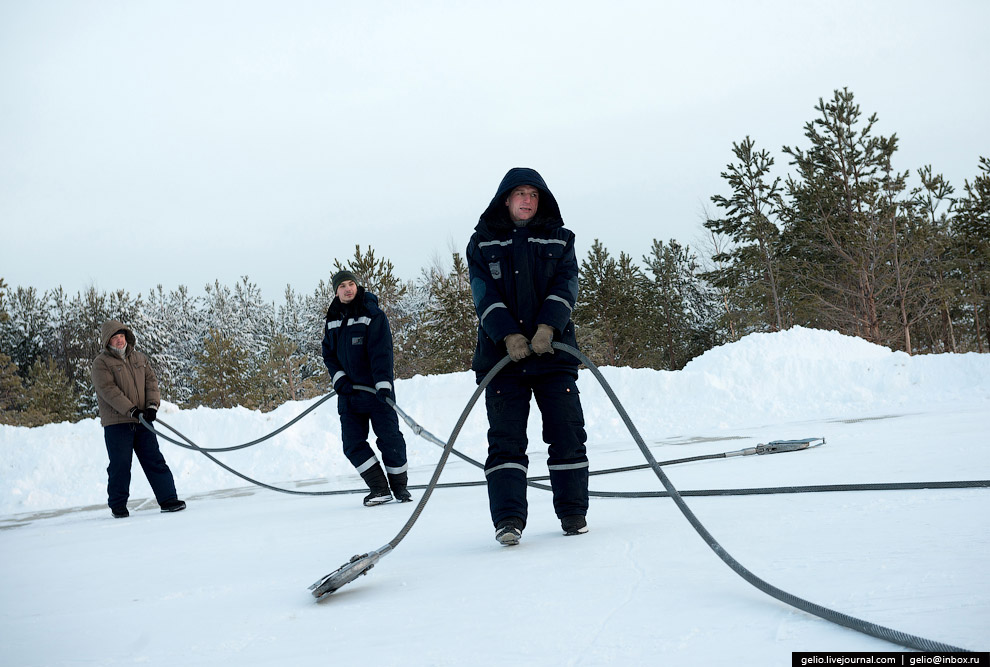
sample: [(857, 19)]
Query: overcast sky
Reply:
[(146, 143)]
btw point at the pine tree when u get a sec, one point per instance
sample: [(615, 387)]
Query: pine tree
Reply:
[(920, 254), (238, 323), (281, 376), (49, 396), (680, 310), (449, 320), (972, 229), (411, 342), (301, 322), (171, 331), (751, 271), (23, 334), (608, 315), (3, 301), (222, 373), (12, 395), (839, 233)]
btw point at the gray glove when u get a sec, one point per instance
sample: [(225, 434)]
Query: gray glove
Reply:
[(543, 339), (517, 346)]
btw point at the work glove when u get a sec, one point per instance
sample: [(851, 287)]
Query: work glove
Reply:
[(517, 346), (150, 414), (344, 385), (543, 339), (385, 394), (135, 413)]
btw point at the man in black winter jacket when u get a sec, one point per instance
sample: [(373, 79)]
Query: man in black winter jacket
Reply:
[(357, 349), (524, 279)]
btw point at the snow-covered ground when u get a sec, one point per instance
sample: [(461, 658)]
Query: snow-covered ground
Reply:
[(225, 582)]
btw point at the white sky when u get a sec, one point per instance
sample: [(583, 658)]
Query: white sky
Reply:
[(174, 143)]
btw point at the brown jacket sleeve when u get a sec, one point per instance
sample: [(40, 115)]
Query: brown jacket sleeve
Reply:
[(152, 397)]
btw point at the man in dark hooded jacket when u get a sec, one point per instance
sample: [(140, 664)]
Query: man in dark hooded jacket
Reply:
[(357, 349), (126, 388), (524, 280)]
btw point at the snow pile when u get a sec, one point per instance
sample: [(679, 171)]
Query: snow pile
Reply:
[(792, 376)]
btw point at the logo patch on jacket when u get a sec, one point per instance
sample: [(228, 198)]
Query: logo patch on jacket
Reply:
[(357, 340), (496, 269)]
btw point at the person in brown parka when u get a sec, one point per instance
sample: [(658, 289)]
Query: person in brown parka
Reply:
[(127, 388)]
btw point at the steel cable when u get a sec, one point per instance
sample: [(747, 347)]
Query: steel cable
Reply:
[(866, 627), (881, 632)]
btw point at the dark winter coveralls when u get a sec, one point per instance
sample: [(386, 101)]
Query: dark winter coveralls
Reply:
[(522, 277), (357, 345), (123, 383)]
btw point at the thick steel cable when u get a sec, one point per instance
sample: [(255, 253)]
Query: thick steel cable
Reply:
[(416, 428), (532, 481), (839, 618), (851, 622), (289, 423), (206, 453), (421, 505)]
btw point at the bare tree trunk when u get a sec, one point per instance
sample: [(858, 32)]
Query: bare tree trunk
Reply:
[(949, 333), (907, 328), (976, 322), (772, 280), (871, 320)]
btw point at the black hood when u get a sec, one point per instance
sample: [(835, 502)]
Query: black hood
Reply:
[(496, 216)]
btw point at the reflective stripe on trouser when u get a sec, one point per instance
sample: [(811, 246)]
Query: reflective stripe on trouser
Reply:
[(362, 410), (507, 401)]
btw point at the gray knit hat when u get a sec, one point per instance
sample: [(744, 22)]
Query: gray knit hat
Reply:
[(340, 277)]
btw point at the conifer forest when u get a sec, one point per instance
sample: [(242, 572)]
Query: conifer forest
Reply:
[(825, 234)]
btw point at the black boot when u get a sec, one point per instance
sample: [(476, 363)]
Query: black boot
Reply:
[(374, 477), (398, 483)]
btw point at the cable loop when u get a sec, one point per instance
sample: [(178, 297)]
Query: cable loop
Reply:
[(367, 561)]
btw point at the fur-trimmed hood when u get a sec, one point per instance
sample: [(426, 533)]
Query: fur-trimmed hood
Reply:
[(110, 328)]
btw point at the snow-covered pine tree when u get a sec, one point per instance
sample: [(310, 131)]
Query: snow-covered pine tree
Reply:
[(223, 373), (170, 326), (12, 394), (49, 395), (23, 334), (300, 320), (238, 323), (411, 343), (449, 321), (679, 307)]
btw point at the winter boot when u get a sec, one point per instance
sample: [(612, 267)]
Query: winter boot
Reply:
[(574, 525), (509, 531), (374, 477), (174, 505), (398, 483), (120, 512)]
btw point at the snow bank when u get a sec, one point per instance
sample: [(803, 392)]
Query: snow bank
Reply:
[(791, 376)]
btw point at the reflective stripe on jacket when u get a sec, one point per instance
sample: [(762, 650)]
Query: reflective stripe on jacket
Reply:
[(522, 277), (357, 342)]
